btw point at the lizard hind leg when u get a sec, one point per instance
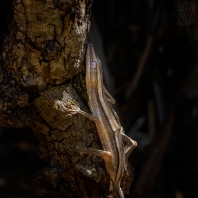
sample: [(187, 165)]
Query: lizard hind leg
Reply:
[(106, 155), (109, 163)]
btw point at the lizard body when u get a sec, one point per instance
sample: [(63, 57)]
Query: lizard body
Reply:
[(115, 153)]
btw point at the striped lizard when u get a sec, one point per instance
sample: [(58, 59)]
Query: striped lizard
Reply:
[(115, 144)]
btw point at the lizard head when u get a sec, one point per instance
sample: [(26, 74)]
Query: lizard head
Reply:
[(93, 68)]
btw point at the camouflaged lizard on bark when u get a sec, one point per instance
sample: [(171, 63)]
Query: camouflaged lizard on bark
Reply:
[(115, 144)]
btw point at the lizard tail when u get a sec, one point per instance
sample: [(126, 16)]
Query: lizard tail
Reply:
[(118, 191)]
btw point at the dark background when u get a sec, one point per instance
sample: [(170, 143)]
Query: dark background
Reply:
[(149, 51)]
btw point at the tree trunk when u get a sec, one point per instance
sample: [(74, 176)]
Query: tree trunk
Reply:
[(43, 61)]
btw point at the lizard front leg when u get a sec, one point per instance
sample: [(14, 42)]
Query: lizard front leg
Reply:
[(109, 97), (75, 109)]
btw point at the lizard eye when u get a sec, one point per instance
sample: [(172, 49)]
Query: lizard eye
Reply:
[(93, 64)]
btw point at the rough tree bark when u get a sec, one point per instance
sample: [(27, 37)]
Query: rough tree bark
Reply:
[(42, 61)]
